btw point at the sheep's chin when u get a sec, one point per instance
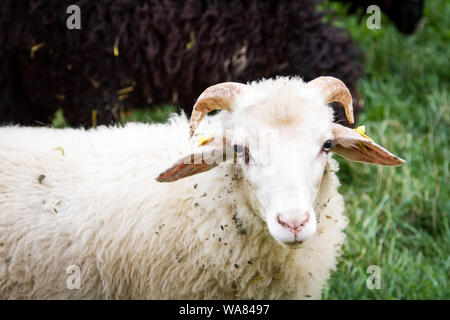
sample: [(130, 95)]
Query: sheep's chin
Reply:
[(292, 245)]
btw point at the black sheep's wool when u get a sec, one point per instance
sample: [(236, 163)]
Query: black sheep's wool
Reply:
[(133, 54)]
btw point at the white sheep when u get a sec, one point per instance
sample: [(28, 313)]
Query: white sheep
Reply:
[(81, 215)]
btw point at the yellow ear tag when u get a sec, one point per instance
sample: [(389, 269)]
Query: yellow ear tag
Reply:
[(361, 130), (202, 139)]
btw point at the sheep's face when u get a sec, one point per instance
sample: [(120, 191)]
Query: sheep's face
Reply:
[(278, 135), (282, 140)]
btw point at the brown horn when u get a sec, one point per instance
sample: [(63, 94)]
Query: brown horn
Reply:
[(334, 90), (218, 97)]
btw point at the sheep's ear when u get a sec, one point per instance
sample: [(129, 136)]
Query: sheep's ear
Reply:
[(353, 146), (191, 164), (214, 152)]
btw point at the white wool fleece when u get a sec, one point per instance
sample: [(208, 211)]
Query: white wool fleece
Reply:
[(89, 199)]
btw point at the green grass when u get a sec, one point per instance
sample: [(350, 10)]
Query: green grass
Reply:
[(147, 115), (59, 122), (399, 216), (155, 114)]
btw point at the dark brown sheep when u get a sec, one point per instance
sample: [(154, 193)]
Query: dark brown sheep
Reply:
[(133, 54)]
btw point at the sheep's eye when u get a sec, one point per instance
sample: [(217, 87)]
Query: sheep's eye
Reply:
[(238, 149), (328, 145), (242, 151)]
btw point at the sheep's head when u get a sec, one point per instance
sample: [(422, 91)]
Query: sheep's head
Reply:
[(278, 134)]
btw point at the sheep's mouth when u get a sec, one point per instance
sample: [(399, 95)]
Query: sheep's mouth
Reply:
[(293, 245)]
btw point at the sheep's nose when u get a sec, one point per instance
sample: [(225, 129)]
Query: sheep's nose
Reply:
[(293, 221)]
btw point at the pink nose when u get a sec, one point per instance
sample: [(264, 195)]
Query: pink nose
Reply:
[(293, 222)]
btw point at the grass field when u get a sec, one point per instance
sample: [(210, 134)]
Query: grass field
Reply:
[(398, 216)]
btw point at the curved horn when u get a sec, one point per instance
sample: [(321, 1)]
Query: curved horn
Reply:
[(218, 97), (334, 90)]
